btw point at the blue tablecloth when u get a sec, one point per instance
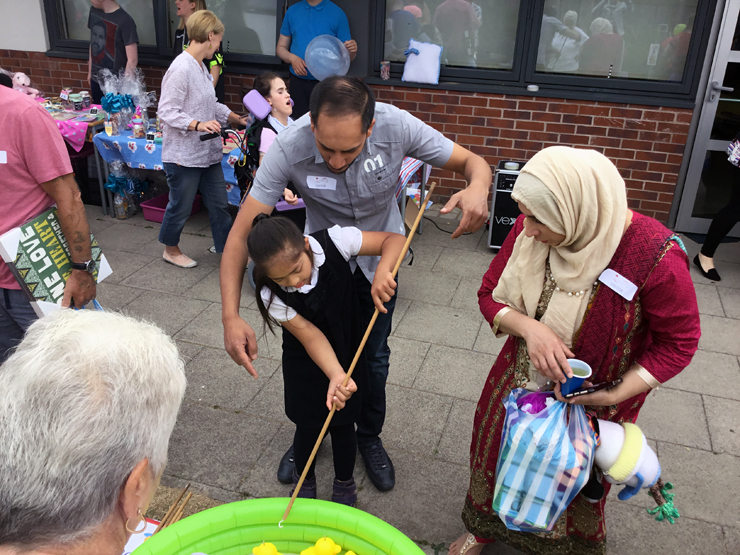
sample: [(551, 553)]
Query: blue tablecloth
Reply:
[(137, 153)]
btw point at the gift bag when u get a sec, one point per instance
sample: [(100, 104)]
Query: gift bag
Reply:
[(544, 461)]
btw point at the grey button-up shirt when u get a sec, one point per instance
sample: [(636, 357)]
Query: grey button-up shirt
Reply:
[(363, 196), (187, 95)]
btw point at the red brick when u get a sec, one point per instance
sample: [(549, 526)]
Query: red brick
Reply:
[(606, 141), (457, 109), (499, 142), (651, 205), (665, 197), (675, 159), (632, 164), (647, 176), (634, 204), (482, 131), (547, 116), (500, 123), (446, 99), (502, 103), (443, 118), (651, 156), (418, 97), (626, 113), (487, 112), (455, 128), (684, 117), (438, 108), (641, 195), (642, 125), (574, 139), (636, 145), (672, 127), (563, 107), (680, 138), (471, 120), (530, 125), (659, 115), (661, 187), (615, 153), (404, 105), (663, 168), (609, 122), (590, 130), (483, 150), (391, 95), (474, 101), (514, 134), (671, 148), (593, 110), (623, 133), (517, 114), (528, 145), (578, 120), (560, 128), (654, 137), (532, 105), (471, 140), (662, 217)]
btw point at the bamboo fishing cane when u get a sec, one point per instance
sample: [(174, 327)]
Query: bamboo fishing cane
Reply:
[(423, 206)]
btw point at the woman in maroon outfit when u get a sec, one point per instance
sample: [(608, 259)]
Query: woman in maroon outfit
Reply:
[(545, 289)]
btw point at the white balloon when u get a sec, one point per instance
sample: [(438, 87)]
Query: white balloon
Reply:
[(326, 55)]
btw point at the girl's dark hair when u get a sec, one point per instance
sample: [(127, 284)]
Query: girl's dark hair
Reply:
[(263, 83), (338, 96), (271, 237)]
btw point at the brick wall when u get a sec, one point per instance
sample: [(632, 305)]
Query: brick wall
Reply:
[(646, 143)]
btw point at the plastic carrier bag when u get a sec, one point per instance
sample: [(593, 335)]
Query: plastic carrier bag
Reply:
[(544, 461)]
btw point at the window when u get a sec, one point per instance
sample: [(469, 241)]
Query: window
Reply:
[(474, 34), (75, 14), (251, 25), (647, 39), (649, 48)]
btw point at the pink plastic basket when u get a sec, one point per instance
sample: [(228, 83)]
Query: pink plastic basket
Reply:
[(154, 208)]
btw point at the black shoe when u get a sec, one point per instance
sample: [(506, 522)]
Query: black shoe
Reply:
[(345, 493), (378, 465), (308, 488), (711, 274), (287, 467)]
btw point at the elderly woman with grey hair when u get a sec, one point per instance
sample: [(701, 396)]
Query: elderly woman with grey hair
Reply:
[(87, 404), (567, 49)]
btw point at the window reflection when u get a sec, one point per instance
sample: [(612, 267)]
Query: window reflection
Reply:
[(142, 11), (477, 34), (634, 39), (250, 24)]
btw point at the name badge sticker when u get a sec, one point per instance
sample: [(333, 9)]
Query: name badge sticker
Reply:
[(618, 283), (3, 157), (319, 182)]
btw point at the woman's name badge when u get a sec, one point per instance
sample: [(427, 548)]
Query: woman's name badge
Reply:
[(319, 182), (618, 283)]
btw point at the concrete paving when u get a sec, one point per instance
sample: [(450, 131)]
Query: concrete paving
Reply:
[(232, 430)]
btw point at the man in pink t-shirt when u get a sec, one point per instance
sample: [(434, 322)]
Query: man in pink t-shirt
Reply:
[(35, 173)]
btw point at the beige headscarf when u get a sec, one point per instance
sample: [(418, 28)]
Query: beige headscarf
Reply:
[(577, 193)]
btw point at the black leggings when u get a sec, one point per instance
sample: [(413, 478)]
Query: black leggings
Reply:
[(344, 449), (723, 222)]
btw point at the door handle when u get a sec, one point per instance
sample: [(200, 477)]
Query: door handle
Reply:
[(716, 88)]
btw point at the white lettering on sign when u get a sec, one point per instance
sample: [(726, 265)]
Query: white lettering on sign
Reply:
[(504, 220), (370, 163)]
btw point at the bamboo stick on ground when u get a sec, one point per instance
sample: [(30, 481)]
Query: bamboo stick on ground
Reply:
[(170, 512), (180, 511), (412, 231)]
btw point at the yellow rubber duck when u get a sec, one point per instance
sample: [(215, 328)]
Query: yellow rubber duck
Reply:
[(265, 549), (325, 546)]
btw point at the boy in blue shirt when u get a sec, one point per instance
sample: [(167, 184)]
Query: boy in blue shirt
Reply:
[(303, 22)]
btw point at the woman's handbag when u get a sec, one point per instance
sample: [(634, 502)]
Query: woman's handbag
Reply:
[(544, 461)]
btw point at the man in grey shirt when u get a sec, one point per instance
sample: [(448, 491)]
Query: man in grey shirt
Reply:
[(344, 158)]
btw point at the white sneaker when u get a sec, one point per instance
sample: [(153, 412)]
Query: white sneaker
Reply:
[(212, 250)]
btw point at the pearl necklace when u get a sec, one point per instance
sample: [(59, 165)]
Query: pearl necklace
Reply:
[(570, 294)]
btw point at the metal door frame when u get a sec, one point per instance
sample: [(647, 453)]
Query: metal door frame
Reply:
[(723, 55)]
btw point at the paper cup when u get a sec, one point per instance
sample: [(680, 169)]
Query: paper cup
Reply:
[(581, 371)]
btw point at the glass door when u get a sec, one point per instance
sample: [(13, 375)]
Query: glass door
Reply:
[(710, 177)]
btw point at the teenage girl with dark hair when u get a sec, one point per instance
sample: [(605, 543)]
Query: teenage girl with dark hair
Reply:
[(306, 285)]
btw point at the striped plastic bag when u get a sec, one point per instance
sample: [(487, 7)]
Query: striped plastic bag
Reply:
[(544, 461)]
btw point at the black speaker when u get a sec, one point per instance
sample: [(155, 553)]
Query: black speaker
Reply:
[(504, 210)]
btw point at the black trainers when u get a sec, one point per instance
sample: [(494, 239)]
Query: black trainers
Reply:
[(378, 465), (345, 492), (308, 488), (287, 467)]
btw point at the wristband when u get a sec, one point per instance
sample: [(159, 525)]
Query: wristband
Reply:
[(197, 123)]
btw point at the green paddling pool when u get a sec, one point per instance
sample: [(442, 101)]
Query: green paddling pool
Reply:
[(236, 528)]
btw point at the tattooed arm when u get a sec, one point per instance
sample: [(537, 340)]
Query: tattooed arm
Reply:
[(80, 288)]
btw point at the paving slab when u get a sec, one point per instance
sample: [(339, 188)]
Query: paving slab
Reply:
[(215, 379), (454, 446), (487, 342), (158, 275), (212, 492), (217, 447), (723, 417), (730, 301), (728, 252), (207, 329), (425, 255), (707, 298), (675, 416), (123, 264), (710, 373), (269, 403), (112, 296), (188, 351), (435, 237), (466, 296), (209, 289), (720, 334), (728, 271), (126, 238), (402, 305), (630, 530), (438, 324), (433, 287), (414, 419), (195, 246), (99, 223), (732, 540), (169, 312), (427, 500), (463, 263), (705, 483), (407, 357), (458, 373)]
